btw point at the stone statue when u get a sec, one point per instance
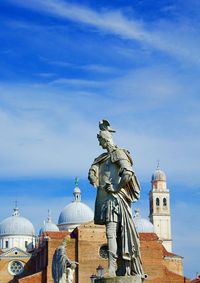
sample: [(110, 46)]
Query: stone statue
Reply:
[(117, 187), (62, 267)]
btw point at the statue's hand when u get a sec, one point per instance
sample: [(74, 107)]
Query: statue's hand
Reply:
[(109, 188)]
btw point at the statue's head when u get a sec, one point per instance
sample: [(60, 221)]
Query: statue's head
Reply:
[(105, 139), (105, 134), (65, 240)]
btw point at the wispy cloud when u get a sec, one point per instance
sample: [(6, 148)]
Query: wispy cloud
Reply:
[(98, 68), (76, 82), (176, 39), (42, 131)]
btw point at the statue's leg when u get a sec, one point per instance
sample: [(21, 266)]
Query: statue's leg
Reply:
[(111, 234)]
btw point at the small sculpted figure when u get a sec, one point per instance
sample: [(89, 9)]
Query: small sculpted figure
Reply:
[(70, 272), (117, 187), (62, 267)]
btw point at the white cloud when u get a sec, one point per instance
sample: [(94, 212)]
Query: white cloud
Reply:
[(98, 68), (177, 39), (52, 131), (76, 82)]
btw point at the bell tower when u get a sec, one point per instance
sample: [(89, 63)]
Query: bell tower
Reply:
[(160, 217)]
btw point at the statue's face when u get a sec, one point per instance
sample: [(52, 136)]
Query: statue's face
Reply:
[(102, 142)]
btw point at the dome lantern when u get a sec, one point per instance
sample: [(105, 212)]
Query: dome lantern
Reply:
[(77, 191)]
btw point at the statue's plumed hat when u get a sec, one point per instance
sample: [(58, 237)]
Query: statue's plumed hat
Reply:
[(105, 130)]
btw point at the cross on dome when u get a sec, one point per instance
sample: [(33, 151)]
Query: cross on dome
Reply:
[(16, 210)]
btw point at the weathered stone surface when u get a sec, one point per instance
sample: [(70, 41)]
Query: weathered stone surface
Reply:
[(120, 279), (117, 187)]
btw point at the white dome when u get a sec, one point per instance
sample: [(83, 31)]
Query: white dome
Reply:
[(76, 213), (142, 225), (49, 226), (158, 175), (16, 225)]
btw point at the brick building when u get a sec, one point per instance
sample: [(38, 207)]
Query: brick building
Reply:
[(87, 245)]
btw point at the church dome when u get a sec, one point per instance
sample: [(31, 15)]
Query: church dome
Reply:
[(158, 175), (49, 226), (16, 225), (142, 225), (75, 213)]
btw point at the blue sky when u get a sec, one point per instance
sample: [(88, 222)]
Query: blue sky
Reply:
[(66, 65)]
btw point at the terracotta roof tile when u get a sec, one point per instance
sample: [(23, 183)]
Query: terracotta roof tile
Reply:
[(56, 235), (172, 275), (148, 236), (166, 253)]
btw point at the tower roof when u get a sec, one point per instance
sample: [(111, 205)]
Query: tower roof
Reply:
[(158, 175)]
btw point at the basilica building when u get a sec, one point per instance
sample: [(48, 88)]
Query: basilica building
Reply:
[(27, 257)]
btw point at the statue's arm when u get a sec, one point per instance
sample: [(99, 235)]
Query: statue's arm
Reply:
[(121, 159), (93, 175), (126, 176)]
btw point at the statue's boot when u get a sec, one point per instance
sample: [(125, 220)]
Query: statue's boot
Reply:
[(112, 264)]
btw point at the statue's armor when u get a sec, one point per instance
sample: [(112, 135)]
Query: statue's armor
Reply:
[(106, 208), (108, 170)]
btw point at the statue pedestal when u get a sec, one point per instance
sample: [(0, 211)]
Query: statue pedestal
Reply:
[(120, 279)]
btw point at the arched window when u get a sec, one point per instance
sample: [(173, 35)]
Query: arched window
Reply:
[(157, 202), (164, 202)]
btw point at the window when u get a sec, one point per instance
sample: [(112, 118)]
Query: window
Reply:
[(15, 267), (157, 202), (103, 251), (164, 202), (6, 244), (26, 244)]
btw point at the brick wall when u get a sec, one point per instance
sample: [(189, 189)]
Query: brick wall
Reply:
[(83, 246), (35, 278)]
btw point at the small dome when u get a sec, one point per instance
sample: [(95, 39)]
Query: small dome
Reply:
[(76, 213), (16, 225), (142, 225), (49, 226), (158, 175)]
